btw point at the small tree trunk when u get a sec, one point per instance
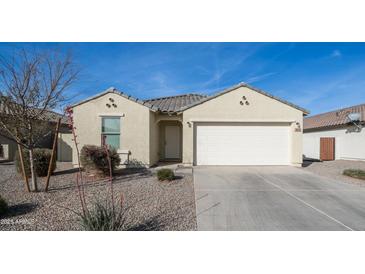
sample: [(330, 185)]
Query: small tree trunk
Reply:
[(54, 153), (25, 176), (32, 171)]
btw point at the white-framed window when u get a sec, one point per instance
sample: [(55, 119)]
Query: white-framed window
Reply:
[(110, 130)]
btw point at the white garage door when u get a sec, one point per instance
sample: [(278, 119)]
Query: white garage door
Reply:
[(242, 144)]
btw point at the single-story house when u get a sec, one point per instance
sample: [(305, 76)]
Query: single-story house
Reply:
[(241, 125), (9, 148), (335, 135)]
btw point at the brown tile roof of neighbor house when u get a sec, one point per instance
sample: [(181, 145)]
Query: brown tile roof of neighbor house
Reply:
[(175, 103), (53, 117), (48, 115), (333, 118)]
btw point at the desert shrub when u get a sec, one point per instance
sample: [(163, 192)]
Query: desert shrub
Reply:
[(134, 163), (42, 158), (3, 206), (103, 217), (355, 173), (165, 174), (94, 159)]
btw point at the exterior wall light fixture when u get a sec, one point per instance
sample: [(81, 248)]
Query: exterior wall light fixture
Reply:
[(297, 127)]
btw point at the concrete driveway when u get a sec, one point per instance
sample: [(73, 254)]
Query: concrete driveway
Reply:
[(275, 198)]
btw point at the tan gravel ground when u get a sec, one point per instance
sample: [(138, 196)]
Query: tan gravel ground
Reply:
[(334, 169), (154, 205)]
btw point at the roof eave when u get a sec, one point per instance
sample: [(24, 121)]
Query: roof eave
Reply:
[(115, 91), (335, 126), (305, 112)]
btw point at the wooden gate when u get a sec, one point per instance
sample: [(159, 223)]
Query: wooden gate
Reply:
[(327, 149)]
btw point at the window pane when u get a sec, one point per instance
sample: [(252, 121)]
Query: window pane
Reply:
[(111, 125), (112, 140)]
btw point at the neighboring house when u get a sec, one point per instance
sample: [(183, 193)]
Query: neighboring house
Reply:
[(241, 125), (9, 148), (331, 135)]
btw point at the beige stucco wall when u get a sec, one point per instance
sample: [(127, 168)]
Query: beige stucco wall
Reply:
[(64, 147), (9, 147), (154, 138), (349, 143), (227, 107), (134, 125), (158, 122)]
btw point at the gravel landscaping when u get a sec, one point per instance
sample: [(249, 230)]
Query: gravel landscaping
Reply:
[(334, 169), (154, 205)]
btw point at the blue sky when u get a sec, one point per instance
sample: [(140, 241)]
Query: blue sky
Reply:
[(317, 76)]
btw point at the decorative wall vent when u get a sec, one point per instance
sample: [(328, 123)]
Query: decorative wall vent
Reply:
[(112, 103), (244, 101)]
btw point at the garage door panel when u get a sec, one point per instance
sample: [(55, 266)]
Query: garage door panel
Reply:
[(242, 144)]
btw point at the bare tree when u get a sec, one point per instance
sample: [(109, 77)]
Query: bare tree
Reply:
[(31, 85)]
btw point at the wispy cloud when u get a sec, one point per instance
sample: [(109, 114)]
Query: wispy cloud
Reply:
[(160, 79), (316, 76), (321, 93), (258, 73), (259, 78), (161, 84), (336, 54), (225, 66)]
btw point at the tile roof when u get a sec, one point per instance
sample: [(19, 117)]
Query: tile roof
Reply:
[(333, 118), (48, 115), (175, 103), (53, 117), (179, 103), (115, 91)]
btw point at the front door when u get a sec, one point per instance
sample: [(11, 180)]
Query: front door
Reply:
[(172, 142)]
